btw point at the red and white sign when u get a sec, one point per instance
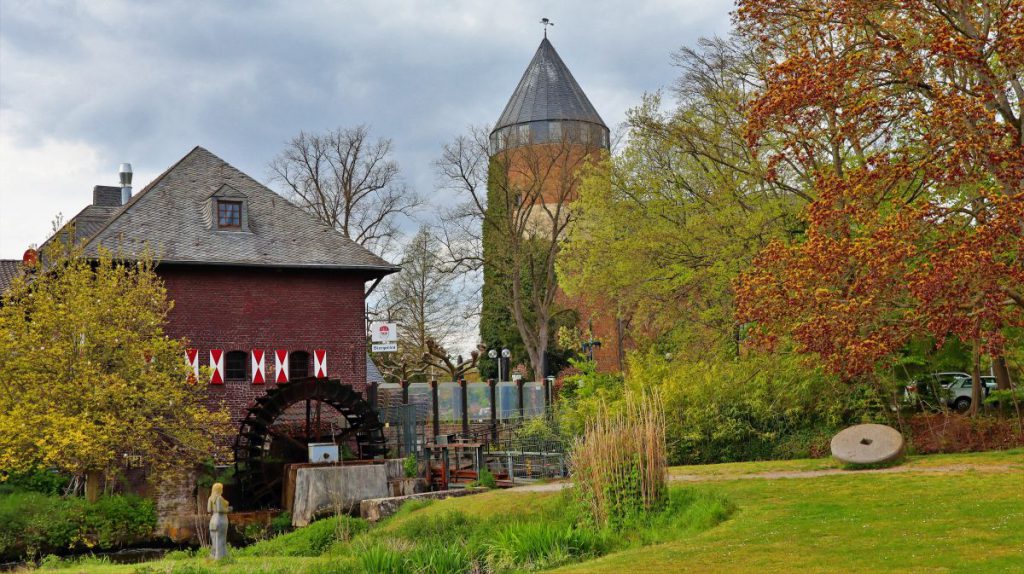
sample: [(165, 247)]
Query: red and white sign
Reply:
[(320, 363), (383, 332), (192, 355), (281, 366), (217, 365), (259, 367)]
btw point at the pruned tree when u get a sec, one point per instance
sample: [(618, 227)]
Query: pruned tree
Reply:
[(424, 302), (348, 181), (456, 367), (88, 377)]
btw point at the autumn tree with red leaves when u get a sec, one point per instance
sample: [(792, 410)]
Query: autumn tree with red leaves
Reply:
[(917, 223)]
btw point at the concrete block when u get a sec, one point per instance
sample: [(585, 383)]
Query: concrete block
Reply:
[(321, 488)]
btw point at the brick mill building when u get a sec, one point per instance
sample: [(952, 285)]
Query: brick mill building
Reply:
[(264, 295)]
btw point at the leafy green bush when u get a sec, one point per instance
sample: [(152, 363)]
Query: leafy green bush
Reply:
[(37, 480), (281, 523), (32, 524), (754, 408), (411, 466), (485, 479)]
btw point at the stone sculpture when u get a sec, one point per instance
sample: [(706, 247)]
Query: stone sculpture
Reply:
[(867, 444), (218, 507)]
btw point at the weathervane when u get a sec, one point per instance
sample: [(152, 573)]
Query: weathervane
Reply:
[(545, 22)]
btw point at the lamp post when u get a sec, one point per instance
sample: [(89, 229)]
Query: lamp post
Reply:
[(505, 354), (493, 354), (591, 344)]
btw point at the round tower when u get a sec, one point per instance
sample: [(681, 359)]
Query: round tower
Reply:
[(547, 132)]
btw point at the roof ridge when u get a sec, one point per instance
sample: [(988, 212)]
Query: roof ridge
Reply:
[(135, 198)]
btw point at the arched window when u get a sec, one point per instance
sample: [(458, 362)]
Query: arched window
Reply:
[(234, 365), (298, 365)]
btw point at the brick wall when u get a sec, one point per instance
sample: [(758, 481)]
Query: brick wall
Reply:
[(235, 308)]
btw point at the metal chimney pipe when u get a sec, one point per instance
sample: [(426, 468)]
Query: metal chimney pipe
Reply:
[(125, 172)]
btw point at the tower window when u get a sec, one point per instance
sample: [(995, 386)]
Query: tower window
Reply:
[(234, 365), (555, 131), (229, 214)]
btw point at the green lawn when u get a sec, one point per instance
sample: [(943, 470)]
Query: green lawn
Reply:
[(924, 520)]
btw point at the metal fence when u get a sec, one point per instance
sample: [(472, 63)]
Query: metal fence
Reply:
[(462, 427)]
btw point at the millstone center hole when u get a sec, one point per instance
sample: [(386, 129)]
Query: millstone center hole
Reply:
[(866, 441)]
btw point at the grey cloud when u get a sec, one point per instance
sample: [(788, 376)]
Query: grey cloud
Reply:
[(146, 81)]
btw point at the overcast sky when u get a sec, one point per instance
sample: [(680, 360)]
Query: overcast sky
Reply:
[(87, 85)]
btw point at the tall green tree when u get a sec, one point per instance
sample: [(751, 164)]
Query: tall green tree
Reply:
[(663, 230), (88, 376)]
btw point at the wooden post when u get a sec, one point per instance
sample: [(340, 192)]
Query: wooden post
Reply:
[(547, 392), (405, 392), (494, 408), (520, 404), (437, 409), (464, 391)]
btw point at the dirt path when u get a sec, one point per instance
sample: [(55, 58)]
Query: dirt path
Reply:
[(775, 475), (947, 469)]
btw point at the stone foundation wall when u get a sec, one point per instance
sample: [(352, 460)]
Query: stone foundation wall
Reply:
[(381, 508)]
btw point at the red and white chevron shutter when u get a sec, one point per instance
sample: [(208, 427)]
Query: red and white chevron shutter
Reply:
[(281, 366), (217, 365), (259, 367), (192, 356), (320, 363)]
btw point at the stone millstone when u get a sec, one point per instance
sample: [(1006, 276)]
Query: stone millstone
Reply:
[(867, 444)]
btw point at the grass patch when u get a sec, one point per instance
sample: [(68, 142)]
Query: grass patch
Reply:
[(960, 521)]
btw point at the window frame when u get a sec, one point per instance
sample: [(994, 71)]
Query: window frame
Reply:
[(241, 356), (305, 369), (238, 208)]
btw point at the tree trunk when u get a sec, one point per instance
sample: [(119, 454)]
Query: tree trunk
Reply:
[(93, 482), (976, 393), (1001, 372)]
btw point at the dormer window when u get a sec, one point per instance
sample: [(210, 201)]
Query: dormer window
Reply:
[(227, 209), (229, 214)]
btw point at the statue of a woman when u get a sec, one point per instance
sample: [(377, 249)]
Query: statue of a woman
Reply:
[(218, 507)]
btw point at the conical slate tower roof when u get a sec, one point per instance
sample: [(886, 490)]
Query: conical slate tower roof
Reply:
[(546, 94), (547, 91)]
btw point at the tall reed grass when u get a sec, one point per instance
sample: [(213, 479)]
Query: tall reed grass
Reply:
[(619, 463)]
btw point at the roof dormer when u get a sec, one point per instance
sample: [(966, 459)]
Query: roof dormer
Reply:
[(227, 209)]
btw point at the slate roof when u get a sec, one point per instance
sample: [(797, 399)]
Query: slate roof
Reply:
[(173, 216), (373, 374), (9, 269), (547, 91), (91, 219)]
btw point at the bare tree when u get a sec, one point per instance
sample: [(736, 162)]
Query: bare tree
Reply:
[(422, 300), (462, 170), (516, 201), (348, 181)]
